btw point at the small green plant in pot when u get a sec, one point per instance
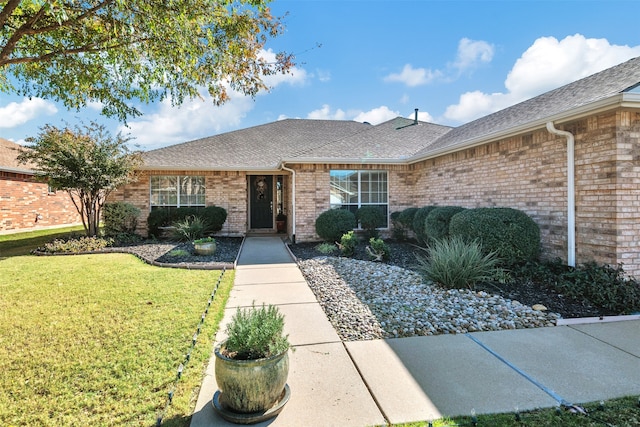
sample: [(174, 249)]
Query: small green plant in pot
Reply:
[(204, 246), (252, 366)]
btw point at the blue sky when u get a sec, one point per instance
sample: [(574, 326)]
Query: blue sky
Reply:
[(375, 60)]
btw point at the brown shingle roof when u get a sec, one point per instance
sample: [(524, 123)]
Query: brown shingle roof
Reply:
[(264, 147), (392, 141), (8, 161), (255, 148), (572, 96)]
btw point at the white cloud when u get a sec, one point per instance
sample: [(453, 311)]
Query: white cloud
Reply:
[(325, 113), (471, 52), (194, 119), (413, 76), (376, 115), (373, 116), (198, 118), (15, 114), (549, 63)]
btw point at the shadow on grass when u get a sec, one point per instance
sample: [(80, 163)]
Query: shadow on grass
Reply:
[(24, 243)]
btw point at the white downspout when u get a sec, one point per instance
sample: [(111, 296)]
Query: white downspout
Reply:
[(571, 193), (293, 201)]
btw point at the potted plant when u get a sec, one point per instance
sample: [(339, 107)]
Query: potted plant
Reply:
[(281, 222), (205, 246), (252, 365)]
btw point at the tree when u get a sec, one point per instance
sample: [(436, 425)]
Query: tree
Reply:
[(112, 51), (87, 162)]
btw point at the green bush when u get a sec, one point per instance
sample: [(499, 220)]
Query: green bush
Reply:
[(189, 228), (378, 250), (455, 263), (510, 233), (370, 218), (332, 224), (402, 222), (213, 216), (348, 243), (119, 218), (398, 230), (157, 218), (406, 217), (602, 286), (82, 244), (418, 222), (436, 224), (256, 333), (326, 248)]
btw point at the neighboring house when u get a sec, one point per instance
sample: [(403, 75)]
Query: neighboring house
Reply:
[(524, 157), (25, 203)]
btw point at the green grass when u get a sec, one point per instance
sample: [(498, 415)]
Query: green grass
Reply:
[(23, 243), (623, 412), (97, 339)]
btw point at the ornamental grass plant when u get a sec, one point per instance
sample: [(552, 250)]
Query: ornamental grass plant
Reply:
[(456, 264)]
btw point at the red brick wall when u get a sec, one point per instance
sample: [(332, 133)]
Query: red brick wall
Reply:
[(22, 200)]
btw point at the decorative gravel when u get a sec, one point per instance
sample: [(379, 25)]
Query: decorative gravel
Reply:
[(366, 300)]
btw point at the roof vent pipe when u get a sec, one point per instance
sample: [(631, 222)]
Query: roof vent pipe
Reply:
[(571, 191), (415, 120)]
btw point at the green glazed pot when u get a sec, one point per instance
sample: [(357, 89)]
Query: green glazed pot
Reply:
[(248, 386), (207, 248)]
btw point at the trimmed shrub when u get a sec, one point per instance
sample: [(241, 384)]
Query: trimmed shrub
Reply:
[(418, 222), (508, 232), (436, 224), (119, 218), (455, 264), (402, 222), (348, 244), (398, 231), (213, 216), (370, 218), (157, 218), (332, 224), (406, 217), (378, 250)]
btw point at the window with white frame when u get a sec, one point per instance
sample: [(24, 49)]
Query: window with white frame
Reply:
[(352, 189), (177, 191)]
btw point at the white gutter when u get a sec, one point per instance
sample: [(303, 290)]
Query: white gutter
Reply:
[(293, 201), (571, 197)]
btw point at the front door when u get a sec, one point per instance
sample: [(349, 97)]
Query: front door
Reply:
[(261, 202)]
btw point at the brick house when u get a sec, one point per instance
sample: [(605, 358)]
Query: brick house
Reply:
[(25, 203), (569, 158)]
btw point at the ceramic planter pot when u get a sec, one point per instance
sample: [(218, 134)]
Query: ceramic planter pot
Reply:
[(250, 386), (207, 248)]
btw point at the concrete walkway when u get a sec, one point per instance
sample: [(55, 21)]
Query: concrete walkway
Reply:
[(369, 383)]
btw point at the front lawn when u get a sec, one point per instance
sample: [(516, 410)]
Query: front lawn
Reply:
[(97, 339), (24, 242)]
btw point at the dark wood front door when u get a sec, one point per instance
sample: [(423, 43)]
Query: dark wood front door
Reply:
[(261, 203)]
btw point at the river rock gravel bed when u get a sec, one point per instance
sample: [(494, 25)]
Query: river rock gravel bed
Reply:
[(366, 300)]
